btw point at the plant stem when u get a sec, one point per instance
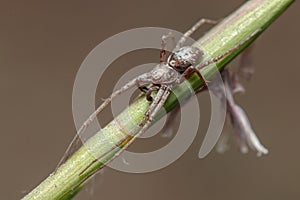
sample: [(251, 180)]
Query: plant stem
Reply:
[(71, 176)]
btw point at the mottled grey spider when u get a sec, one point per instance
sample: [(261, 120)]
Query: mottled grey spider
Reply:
[(180, 64)]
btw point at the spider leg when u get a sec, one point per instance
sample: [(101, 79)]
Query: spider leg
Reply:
[(163, 45), (149, 92), (146, 122), (151, 108), (73, 146), (143, 89), (216, 59), (191, 70), (192, 30), (162, 95), (196, 69), (74, 143)]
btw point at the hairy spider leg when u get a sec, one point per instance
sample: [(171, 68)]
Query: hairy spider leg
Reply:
[(143, 125), (146, 118), (162, 60), (73, 146), (140, 80), (187, 34), (150, 90), (164, 44), (197, 69), (191, 70)]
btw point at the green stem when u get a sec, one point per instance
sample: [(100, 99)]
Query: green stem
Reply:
[(70, 177)]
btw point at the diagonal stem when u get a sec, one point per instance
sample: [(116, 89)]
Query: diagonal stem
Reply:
[(69, 179)]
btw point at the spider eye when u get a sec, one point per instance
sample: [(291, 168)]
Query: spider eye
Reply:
[(172, 63), (186, 64)]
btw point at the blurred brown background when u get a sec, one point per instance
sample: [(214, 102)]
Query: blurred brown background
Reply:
[(42, 47)]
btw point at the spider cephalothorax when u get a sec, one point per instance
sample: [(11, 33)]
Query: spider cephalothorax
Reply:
[(185, 57)]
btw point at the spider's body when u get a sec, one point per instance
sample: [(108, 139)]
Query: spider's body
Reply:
[(170, 73), (162, 78)]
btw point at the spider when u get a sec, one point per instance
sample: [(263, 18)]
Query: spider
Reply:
[(181, 63)]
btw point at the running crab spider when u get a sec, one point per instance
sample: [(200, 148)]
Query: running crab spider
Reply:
[(162, 78)]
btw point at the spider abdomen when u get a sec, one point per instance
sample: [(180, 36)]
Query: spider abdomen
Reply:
[(164, 74)]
